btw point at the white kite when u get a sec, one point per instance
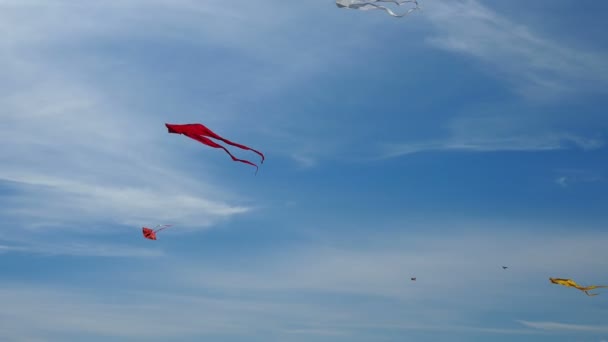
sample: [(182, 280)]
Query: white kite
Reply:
[(365, 5)]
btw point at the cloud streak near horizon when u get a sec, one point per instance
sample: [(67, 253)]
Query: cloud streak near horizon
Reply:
[(287, 290)]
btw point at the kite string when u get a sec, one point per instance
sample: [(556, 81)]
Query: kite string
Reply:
[(163, 227)]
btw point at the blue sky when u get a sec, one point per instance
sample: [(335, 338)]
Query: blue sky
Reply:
[(442, 145)]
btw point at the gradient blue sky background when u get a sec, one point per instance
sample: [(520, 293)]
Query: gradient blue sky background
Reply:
[(443, 145)]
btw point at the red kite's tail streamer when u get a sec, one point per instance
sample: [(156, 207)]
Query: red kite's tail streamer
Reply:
[(212, 143), (215, 136), (200, 133)]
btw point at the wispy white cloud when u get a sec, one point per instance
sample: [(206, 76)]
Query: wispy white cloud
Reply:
[(78, 110), (68, 314), (45, 312), (316, 332), (568, 177), (80, 249), (556, 326), (486, 144), (380, 266), (454, 329), (537, 65), (348, 293), (77, 151), (304, 161), (57, 200), (562, 181)]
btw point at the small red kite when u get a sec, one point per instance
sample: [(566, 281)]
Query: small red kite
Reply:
[(150, 234), (200, 133)]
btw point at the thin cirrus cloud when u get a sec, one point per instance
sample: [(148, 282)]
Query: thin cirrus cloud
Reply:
[(64, 312), (74, 146), (537, 66), (78, 249), (549, 142), (382, 270), (55, 200), (87, 118), (287, 292), (569, 177), (566, 327), (74, 150)]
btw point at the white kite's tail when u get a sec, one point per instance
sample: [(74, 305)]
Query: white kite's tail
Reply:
[(389, 11), (371, 4)]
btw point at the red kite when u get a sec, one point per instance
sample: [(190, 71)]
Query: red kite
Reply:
[(200, 133), (150, 233)]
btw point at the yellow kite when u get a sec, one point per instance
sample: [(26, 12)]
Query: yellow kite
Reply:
[(572, 283)]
